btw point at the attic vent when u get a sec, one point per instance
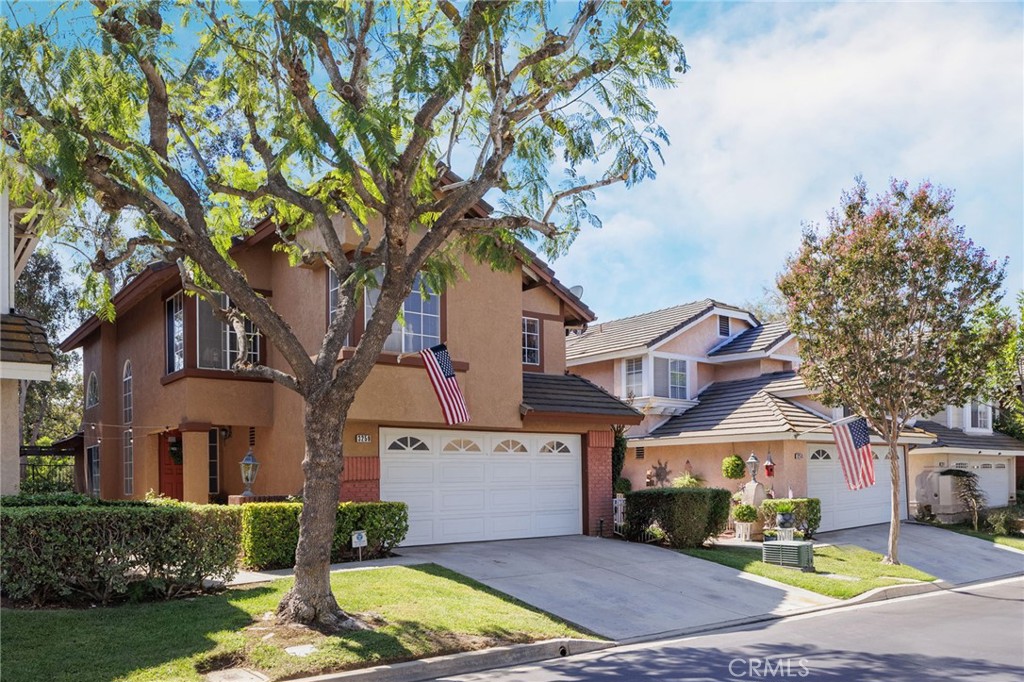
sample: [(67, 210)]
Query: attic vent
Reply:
[(723, 325), (640, 452)]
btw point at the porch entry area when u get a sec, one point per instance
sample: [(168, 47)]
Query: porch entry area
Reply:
[(189, 462)]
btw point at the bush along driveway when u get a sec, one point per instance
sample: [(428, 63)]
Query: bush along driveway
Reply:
[(841, 571), (415, 612)]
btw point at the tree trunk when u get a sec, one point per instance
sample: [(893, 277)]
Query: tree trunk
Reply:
[(892, 553), (311, 601)]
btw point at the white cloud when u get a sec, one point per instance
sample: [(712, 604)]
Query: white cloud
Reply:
[(785, 104)]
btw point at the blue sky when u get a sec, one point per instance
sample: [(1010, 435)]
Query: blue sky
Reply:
[(784, 105)]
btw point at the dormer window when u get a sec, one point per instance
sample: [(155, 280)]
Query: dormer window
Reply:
[(724, 327), (978, 416), (531, 341), (634, 377)]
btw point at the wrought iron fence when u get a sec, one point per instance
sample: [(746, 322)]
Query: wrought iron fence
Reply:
[(47, 474)]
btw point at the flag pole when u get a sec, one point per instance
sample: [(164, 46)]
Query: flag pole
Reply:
[(406, 355), (831, 423)]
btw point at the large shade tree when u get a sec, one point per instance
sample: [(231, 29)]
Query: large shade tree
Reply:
[(361, 109), (894, 307)]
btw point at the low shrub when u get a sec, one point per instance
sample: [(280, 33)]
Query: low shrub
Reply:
[(100, 553), (744, 513), (270, 531), (806, 513), (1003, 522), (689, 516), (688, 481), (63, 499), (622, 485)]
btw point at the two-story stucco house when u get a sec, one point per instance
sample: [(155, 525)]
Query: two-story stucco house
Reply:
[(165, 413), (713, 381)]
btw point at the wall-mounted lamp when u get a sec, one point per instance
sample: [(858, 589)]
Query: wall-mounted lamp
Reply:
[(225, 432)]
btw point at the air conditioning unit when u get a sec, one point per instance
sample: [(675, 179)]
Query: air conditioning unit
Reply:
[(797, 554)]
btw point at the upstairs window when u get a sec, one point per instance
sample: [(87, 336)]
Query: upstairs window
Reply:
[(174, 313), (724, 328), (670, 378), (634, 376), (92, 391), (979, 416), (531, 341), (422, 317), (126, 392), (218, 344)]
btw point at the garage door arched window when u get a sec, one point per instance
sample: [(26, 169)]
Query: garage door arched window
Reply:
[(820, 455), (461, 445), (408, 444), (556, 447), (511, 446)]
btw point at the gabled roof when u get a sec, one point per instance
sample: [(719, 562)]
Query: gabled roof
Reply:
[(640, 331), (755, 340), (956, 438), (572, 394), (23, 340), (745, 406)]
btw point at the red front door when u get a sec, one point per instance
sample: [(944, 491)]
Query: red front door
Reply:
[(171, 481)]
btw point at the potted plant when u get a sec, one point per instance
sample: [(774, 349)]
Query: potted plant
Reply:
[(744, 515), (733, 468), (784, 516)]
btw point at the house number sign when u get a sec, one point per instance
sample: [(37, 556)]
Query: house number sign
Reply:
[(363, 438)]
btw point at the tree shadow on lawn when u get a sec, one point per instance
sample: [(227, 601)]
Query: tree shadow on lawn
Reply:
[(113, 642), (763, 661)]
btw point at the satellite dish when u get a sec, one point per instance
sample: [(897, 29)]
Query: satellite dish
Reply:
[(576, 291)]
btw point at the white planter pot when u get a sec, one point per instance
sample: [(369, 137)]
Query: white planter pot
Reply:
[(743, 530)]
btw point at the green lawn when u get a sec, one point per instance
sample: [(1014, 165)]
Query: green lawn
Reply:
[(417, 611), (1015, 541), (860, 569)]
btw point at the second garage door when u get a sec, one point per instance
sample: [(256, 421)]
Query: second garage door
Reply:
[(464, 486), (845, 508)]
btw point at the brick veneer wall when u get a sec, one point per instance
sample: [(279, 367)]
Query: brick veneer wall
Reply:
[(597, 482), (360, 480)]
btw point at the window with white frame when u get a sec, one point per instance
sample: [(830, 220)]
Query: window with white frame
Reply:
[(724, 328), (128, 454), (174, 311), (979, 416), (531, 341), (677, 379), (634, 376), (92, 460), (218, 345), (92, 391), (213, 441), (126, 392), (422, 317)]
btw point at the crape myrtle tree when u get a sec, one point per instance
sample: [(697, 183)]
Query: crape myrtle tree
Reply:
[(362, 109), (894, 310)]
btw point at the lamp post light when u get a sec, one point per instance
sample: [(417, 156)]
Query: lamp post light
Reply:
[(250, 467), (752, 462)]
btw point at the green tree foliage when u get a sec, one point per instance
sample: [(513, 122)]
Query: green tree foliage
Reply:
[(359, 110), (1007, 377), (890, 305), (50, 409), (619, 446)]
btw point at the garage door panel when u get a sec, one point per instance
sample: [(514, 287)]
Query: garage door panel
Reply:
[(521, 485), (845, 508), (460, 473)]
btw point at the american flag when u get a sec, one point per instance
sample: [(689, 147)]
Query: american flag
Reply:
[(853, 440), (442, 378)]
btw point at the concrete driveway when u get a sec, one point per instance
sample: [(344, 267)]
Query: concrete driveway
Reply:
[(616, 589), (949, 556)]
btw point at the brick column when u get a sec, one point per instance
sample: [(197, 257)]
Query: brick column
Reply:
[(195, 470), (597, 482), (360, 480)]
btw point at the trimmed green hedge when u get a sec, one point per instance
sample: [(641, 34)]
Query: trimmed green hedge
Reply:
[(108, 553), (688, 516), (270, 531), (806, 513), (64, 500)]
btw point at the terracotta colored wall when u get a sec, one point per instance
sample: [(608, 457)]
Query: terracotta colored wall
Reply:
[(706, 461), (597, 483), (10, 469)]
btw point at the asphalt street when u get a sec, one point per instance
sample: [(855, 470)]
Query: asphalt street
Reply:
[(972, 633)]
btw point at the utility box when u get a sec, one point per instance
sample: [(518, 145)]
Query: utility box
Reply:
[(796, 554)]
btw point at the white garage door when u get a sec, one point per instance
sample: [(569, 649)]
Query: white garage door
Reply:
[(994, 479), (845, 508), (463, 486)]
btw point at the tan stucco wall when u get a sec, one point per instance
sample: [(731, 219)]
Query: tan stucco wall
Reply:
[(10, 469), (700, 338), (734, 371), (706, 461)]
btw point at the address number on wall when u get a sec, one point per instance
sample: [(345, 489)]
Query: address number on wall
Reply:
[(363, 438)]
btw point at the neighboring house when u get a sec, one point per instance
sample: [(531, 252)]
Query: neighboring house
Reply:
[(165, 413), (712, 381), (25, 354)]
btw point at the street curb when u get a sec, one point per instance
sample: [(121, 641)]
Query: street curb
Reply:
[(895, 592), (465, 662)]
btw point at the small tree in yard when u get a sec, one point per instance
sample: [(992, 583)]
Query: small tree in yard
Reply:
[(968, 491), (343, 108), (893, 306)]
